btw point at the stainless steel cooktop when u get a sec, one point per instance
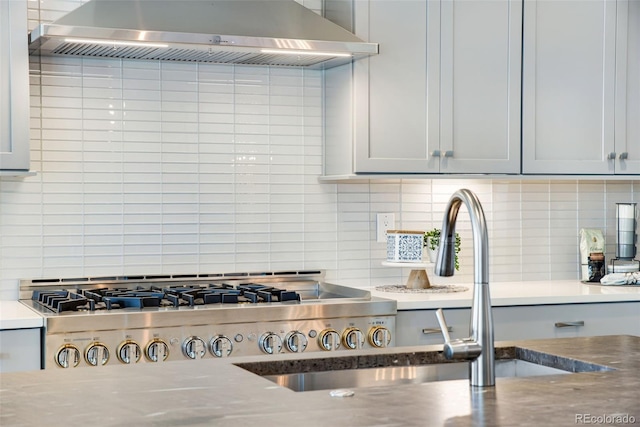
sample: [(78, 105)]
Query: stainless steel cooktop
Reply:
[(174, 317)]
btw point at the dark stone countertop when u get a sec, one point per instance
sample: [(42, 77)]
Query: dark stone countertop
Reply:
[(216, 392)]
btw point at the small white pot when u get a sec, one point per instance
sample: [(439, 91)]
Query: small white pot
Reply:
[(432, 253)]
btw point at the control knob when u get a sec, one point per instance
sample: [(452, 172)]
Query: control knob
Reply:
[(296, 342), (353, 338), (96, 354), (128, 352), (270, 343), (221, 346), (329, 340), (194, 348), (379, 337), (157, 350), (68, 356)]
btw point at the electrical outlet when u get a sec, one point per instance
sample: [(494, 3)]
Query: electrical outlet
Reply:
[(384, 222)]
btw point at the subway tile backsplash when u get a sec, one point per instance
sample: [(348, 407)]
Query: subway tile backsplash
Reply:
[(150, 168)]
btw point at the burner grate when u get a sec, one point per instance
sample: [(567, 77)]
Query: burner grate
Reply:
[(189, 295)]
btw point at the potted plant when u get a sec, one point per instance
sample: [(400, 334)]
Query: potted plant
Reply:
[(432, 241)]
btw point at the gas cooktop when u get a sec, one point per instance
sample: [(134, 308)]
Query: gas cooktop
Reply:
[(173, 317), (180, 291)]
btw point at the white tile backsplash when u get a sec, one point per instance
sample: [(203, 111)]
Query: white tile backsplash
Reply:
[(149, 168)]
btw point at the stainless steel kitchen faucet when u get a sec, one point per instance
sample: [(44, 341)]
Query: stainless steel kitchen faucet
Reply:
[(479, 347)]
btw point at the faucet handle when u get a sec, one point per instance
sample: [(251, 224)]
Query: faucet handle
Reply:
[(464, 349), (443, 325)]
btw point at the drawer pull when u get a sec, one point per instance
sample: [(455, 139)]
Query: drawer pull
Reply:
[(569, 324), (429, 331)]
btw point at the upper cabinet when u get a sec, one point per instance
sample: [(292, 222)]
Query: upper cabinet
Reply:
[(480, 66), (490, 87), (581, 90), (627, 108), (443, 95), (14, 87)]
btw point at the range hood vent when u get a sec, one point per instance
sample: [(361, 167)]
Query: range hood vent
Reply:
[(249, 32)]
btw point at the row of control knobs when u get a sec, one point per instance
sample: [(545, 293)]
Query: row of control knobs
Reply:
[(97, 354), (157, 350), (354, 338), (294, 342)]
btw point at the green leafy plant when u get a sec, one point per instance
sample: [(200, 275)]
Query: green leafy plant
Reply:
[(432, 240)]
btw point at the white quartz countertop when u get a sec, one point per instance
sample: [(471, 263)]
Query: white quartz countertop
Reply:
[(15, 315), (518, 293)]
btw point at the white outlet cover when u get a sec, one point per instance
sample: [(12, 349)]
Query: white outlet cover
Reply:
[(384, 222)]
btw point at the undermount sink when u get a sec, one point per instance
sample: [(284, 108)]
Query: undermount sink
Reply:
[(398, 367), (397, 375)]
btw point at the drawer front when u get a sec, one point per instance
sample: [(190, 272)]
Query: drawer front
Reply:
[(420, 327), (567, 320)]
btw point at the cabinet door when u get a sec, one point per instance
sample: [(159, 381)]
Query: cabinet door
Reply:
[(568, 86), (14, 86), (391, 130), (480, 86), (20, 350), (444, 92), (627, 145)]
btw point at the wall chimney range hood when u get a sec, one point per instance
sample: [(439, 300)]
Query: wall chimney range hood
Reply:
[(249, 32)]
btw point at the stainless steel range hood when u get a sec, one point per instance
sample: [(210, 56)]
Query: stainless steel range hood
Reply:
[(250, 32)]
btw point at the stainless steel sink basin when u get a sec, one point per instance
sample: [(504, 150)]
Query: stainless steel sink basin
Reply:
[(396, 375)]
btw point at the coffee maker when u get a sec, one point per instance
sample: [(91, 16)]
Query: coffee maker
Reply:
[(626, 239)]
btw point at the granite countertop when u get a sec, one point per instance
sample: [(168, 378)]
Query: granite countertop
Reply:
[(216, 392), (15, 315), (517, 293)]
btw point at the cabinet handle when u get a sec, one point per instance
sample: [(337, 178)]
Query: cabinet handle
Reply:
[(448, 153), (435, 153), (624, 156), (430, 331), (569, 324), (611, 156)]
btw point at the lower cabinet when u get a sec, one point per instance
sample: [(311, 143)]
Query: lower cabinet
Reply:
[(20, 350), (420, 327)]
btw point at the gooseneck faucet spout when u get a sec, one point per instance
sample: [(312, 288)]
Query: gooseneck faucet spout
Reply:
[(479, 347)]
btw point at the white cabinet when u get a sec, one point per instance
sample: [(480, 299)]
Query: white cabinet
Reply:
[(443, 95), (420, 327), (480, 68), (627, 108), (20, 349), (14, 86), (393, 126), (566, 320), (580, 87)]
